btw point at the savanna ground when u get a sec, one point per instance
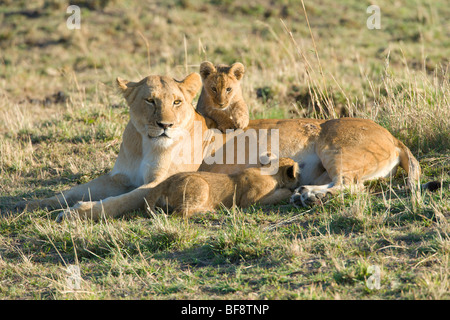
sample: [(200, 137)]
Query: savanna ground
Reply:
[(61, 121)]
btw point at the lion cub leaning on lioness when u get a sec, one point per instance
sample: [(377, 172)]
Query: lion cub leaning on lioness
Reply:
[(190, 193), (221, 97)]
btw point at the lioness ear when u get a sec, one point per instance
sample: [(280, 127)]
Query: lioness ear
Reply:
[(122, 83), (206, 68), (238, 70), (127, 87), (191, 85)]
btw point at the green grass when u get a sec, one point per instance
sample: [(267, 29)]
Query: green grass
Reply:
[(324, 254), (397, 76)]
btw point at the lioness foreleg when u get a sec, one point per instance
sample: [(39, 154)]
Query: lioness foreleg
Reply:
[(111, 206), (97, 189)]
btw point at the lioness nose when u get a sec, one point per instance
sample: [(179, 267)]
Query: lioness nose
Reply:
[(164, 125)]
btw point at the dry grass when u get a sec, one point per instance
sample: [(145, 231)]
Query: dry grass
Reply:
[(397, 76)]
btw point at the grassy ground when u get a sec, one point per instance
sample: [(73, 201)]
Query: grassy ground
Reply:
[(61, 122)]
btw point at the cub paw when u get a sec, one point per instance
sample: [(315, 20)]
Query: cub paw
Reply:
[(224, 126), (241, 123)]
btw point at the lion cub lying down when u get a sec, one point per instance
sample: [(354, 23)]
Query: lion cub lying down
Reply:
[(190, 193)]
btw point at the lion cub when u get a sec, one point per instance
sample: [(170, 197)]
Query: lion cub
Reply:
[(190, 193), (221, 96)]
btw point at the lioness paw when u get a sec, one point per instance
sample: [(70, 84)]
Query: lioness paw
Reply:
[(22, 206), (66, 214), (27, 206), (304, 197), (83, 210)]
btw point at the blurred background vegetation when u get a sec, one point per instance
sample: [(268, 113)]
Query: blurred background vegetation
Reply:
[(402, 67), (61, 122)]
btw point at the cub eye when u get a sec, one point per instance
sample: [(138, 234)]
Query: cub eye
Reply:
[(150, 101), (229, 89), (177, 102), (213, 89)]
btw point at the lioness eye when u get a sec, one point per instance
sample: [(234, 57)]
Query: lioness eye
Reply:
[(228, 89), (177, 102), (150, 101)]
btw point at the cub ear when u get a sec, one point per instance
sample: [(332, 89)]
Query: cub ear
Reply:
[(291, 172), (238, 70), (191, 85), (206, 68)]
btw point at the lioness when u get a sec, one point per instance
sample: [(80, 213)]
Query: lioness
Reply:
[(189, 193), (221, 96), (331, 154)]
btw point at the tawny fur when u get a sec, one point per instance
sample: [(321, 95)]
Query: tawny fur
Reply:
[(332, 154), (221, 97), (190, 193)]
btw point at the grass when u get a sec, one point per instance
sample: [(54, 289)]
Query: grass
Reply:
[(61, 121)]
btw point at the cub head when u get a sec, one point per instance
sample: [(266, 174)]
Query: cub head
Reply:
[(221, 82), (160, 107), (288, 172)]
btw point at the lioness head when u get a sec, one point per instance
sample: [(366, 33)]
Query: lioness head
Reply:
[(160, 107), (221, 82)]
